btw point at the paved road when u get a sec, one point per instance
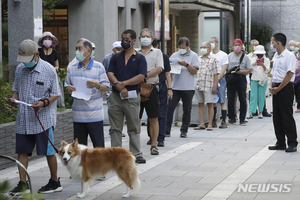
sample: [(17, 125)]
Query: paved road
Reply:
[(233, 164)]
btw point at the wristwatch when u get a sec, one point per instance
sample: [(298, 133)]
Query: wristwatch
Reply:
[(100, 87), (187, 64), (169, 88)]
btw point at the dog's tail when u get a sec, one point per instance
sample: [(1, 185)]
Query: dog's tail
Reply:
[(136, 186)]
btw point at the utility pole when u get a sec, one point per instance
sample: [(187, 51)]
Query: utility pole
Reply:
[(162, 26)]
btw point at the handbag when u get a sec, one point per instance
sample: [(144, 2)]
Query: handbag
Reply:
[(231, 76), (146, 90)]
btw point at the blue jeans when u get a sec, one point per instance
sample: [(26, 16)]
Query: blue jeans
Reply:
[(162, 119)]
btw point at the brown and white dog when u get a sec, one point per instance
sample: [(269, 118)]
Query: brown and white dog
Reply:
[(91, 163)]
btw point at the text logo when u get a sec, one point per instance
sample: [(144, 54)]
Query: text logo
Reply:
[(264, 187)]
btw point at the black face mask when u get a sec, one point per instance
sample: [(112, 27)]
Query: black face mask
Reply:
[(260, 56), (126, 44)]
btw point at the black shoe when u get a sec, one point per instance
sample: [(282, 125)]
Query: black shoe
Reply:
[(149, 142), (243, 123), (214, 124), (140, 159), (52, 186), (168, 135), (232, 122), (183, 134), (19, 189), (277, 147), (266, 114), (160, 144), (291, 149)]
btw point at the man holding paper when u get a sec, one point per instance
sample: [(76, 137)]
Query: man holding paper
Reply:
[(126, 71), (86, 81), (183, 84)]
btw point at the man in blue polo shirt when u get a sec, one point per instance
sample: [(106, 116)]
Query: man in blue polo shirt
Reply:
[(87, 114), (126, 71)]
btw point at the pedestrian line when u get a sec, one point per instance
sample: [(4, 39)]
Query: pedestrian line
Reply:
[(114, 181), (228, 186)]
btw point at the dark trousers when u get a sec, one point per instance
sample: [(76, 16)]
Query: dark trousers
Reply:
[(239, 87), (297, 94), (94, 129), (283, 120), (187, 97), (162, 119)]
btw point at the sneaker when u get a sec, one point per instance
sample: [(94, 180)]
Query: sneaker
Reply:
[(223, 125), (19, 189), (243, 123), (232, 122), (249, 116), (52, 186), (260, 116), (214, 124), (140, 159)]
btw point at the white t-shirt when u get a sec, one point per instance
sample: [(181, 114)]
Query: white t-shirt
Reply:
[(282, 64), (258, 72), (221, 57)]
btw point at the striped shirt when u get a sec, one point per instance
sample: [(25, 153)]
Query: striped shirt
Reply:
[(90, 110), (31, 86), (208, 67)]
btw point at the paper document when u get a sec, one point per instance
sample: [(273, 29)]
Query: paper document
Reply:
[(82, 92), (21, 102), (174, 60), (131, 94), (175, 68)]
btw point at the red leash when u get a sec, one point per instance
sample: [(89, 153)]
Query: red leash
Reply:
[(35, 112)]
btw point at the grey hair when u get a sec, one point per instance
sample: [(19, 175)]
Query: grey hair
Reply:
[(215, 38), (183, 40), (86, 43), (252, 41), (207, 43), (146, 30)]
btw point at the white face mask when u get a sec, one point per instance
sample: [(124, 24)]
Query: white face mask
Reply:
[(203, 51), (182, 51), (272, 47), (213, 45)]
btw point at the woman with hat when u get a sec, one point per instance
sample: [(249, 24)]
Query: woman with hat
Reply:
[(259, 82), (47, 53)]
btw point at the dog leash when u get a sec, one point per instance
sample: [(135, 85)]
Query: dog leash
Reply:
[(35, 112)]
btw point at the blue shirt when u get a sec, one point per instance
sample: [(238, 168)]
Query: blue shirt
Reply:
[(106, 61), (125, 72), (31, 86), (90, 110)]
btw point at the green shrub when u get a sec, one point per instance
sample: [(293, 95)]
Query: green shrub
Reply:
[(8, 113), (68, 99)]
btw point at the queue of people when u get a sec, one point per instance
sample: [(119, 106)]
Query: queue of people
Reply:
[(134, 79)]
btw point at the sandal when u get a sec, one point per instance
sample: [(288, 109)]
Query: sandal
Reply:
[(199, 128), (209, 128), (154, 150)]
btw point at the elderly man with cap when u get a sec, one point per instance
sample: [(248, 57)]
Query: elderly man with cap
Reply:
[(35, 83), (238, 59), (116, 49), (87, 111)]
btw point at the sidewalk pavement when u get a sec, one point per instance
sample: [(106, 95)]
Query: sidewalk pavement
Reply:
[(232, 163)]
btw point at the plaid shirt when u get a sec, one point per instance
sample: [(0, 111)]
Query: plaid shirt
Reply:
[(208, 67), (42, 82)]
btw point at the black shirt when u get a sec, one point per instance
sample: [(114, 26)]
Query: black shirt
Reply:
[(167, 68), (49, 58)]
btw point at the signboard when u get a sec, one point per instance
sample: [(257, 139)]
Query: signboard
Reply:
[(157, 21)]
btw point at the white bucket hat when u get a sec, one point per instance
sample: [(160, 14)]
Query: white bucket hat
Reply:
[(260, 49)]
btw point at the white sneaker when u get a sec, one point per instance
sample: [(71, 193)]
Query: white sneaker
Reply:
[(260, 116)]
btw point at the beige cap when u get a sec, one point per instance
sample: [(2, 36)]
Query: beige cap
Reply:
[(27, 49)]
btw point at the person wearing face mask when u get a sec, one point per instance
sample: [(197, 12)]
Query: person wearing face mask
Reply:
[(222, 58), (35, 83), (155, 65), (87, 114), (283, 72), (47, 42), (206, 84), (291, 45), (259, 82), (297, 76), (239, 86), (183, 85), (125, 73)]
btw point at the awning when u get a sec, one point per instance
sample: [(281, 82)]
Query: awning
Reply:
[(202, 5)]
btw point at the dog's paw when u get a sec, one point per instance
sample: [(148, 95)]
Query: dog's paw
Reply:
[(126, 195), (81, 195)]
